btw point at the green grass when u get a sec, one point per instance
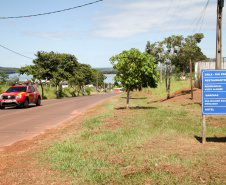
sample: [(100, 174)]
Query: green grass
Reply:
[(50, 92), (174, 86), (146, 144)]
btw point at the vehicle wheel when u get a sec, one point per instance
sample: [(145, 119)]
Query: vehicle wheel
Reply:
[(26, 103), (38, 102), (2, 107)]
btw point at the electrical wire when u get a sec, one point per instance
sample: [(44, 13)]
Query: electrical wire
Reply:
[(165, 28), (15, 52), (161, 28), (201, 17), (187, 7), (26, 16)]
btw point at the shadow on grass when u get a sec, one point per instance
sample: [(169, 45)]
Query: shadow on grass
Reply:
[(176, 94), (137, 107), (200, 104), (212, 139)]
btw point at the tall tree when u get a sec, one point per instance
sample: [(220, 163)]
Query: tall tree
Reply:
[(157, 51), (189, 47), (190, 50), (52, 66), (83, 75), (135, 70), (58, 66), (172, 46)]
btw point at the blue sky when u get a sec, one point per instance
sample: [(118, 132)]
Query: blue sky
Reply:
[(96, 32)]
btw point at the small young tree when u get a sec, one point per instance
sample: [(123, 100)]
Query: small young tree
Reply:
[(98, 79), (135, 70)]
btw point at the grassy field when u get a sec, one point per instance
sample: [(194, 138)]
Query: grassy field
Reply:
[(150, 143), (156, 141), (175, 86)]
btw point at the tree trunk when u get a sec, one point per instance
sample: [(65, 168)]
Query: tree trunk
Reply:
[(166, 76), (160, 72), (57, 91), (42, 91), (82, 90), (40, 82), (74, 93), (168, 87), (191, 80), (127, 102), (79, 90)]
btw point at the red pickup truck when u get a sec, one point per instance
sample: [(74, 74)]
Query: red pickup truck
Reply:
[(20, 95)]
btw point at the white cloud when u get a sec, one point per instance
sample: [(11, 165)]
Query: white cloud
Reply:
[(57, 36), (144, 16)]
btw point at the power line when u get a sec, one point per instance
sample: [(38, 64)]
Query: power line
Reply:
[(26, 16), (15, 52), (187, 7), (197, 20), (160, 32), (172, 16), (201, 17)]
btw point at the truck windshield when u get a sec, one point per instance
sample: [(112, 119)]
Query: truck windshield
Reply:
[(17, 89)]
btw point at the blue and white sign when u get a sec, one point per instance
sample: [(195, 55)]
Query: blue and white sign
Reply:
[(214, 92)]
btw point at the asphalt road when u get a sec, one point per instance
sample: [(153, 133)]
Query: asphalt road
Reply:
[(20, 123)]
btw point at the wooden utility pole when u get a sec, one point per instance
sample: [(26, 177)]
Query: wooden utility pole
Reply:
[(220, 6)]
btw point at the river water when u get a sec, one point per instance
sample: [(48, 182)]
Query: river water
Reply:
[(109, 79)]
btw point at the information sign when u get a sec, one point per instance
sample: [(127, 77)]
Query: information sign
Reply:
[(214, 92)]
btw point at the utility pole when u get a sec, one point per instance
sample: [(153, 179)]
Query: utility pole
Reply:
[(220, 5)]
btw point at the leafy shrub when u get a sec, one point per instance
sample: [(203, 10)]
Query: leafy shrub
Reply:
[(88, 90)]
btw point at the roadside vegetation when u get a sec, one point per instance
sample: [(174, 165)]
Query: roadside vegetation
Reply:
[(151, 143), (50, 91), (176, 85), (156, 141)]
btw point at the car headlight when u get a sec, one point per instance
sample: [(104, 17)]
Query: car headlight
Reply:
[(1, 97), (18, 96)]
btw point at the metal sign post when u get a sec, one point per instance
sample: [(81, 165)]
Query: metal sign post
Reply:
[(213, 95)]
